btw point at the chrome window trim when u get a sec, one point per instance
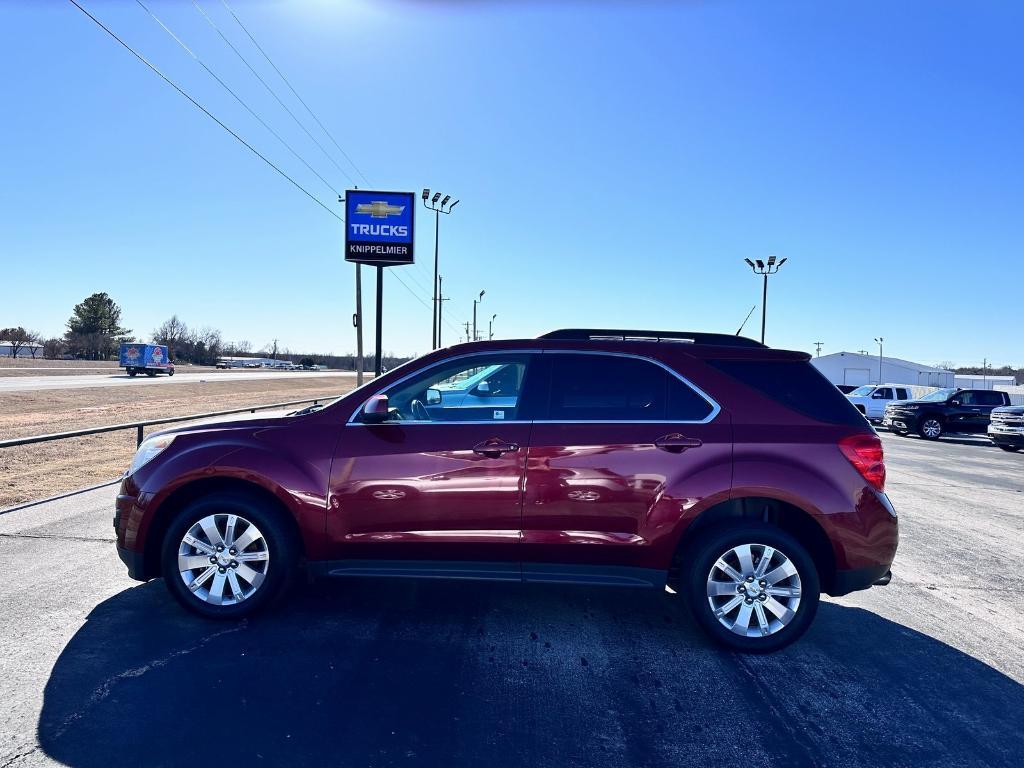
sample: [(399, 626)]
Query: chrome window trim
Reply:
[(715, 407)]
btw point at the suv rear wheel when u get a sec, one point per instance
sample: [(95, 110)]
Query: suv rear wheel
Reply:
[(931, 428), (226, 556), (751, 587)]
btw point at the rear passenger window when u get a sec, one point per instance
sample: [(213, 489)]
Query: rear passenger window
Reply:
[(611, 388), (797, 385), (901, 394), (990, 398)]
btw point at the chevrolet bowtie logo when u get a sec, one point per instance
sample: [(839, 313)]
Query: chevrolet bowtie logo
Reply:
[(379, 209)]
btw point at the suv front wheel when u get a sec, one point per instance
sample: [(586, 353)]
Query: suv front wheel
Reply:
[(752, 587), (227, 555), (931, 428)]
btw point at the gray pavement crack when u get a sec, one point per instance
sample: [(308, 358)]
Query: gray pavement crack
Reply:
[(59, 537)]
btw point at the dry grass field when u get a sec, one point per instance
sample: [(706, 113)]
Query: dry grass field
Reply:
[(44, 469)]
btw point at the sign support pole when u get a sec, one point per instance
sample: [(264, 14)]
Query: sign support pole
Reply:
[(380, 319), (359, 325)]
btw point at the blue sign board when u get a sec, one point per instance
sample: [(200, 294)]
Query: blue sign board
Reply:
[(379, 227)]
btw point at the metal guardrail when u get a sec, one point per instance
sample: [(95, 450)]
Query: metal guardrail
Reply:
[(140, 426)]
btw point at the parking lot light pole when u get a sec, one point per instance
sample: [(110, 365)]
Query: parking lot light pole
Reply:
[(879, 342), (438, 209), (490, 327), (760, 268), (475, 302)]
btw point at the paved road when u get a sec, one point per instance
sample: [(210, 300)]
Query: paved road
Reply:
[(98, 671), (32, 383)]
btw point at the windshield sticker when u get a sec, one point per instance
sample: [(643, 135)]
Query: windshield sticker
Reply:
[(499, 414)]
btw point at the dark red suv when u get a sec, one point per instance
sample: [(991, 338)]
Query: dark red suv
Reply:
[(710, 464)]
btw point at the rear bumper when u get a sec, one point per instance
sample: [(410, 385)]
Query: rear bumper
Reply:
[(860, 578)]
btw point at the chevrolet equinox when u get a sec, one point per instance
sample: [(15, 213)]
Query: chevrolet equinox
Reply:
[(732, 473)]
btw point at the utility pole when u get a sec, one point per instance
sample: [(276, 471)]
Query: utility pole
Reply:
[(490, 327), (438, 209), (440, 307), (862, 351), (357, 318), (984, 373), (475, 302), (879, 342), (765, 269), (817, 348), (273, 355), (467, 330)]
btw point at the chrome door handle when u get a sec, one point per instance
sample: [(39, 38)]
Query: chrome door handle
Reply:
[(494, 447), (676, 443)]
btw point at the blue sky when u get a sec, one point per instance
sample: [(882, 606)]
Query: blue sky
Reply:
[(616, 162)]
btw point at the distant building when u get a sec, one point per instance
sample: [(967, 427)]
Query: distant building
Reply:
[(977, 381), (24, 351), (856, 369)]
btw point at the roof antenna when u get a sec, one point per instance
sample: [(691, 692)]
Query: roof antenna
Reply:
[(745, 319)]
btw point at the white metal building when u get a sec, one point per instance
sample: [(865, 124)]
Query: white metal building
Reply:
[(24, 351), (856, 369), (977, 381)]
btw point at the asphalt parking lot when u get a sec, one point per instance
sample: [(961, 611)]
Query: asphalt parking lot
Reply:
[(96, 670)]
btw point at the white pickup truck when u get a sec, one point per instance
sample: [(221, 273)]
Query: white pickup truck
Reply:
[(871, 399)]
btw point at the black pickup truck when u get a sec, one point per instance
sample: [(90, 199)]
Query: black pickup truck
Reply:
[(947, 410)]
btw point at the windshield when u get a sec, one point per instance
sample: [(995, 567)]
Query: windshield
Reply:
[(935, 397), (862, 391)]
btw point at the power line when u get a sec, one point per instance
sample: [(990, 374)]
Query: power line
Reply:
[(270, 90), (238, 98), (204, 110), (294, 92)]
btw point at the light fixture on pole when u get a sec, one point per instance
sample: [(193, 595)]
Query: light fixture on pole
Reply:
[(760, 268), (879, 342), (475, 302), (431, 204), (490, 327)]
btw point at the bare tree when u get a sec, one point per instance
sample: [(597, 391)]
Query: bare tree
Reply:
[(54, 349)]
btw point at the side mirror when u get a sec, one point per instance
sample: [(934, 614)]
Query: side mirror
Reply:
[(376, 410), (954, 402), (433, 397), (483, 388)]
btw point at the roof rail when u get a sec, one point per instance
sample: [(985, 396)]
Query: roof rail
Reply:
[(684, 337)]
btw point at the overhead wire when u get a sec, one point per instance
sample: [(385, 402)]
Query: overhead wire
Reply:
[(271, 90), (205, 111), (294, 92), (237, 98)]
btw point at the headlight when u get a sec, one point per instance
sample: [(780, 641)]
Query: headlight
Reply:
[(151, 448)]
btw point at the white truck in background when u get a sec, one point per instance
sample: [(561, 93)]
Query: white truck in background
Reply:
[(871, 399)]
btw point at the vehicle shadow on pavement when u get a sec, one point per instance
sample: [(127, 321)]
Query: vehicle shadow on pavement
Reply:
[(378, 673)]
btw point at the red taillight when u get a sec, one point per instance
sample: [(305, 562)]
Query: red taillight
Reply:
[(865, 453)]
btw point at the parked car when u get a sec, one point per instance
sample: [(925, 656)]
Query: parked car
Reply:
[(734, 473), (871, 399), (1006, 428), (946, 410), (224, 364)]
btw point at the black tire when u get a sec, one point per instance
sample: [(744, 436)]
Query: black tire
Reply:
[(1010, 448), (151, 374), (281, 544), (132, 372), (713, 544), (926, 425), (170, 372)]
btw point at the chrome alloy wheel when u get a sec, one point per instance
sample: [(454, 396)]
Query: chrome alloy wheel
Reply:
[(223, 559), (754, 590), (931, 428)]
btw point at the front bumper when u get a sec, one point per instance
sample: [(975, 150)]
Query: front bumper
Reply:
[(127, 517), (903, 421), (1013, 438), (135, 562)]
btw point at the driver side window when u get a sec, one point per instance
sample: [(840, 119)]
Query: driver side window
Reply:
[(479, 388)]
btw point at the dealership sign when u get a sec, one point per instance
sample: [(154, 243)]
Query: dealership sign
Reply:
[(379, 227)]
